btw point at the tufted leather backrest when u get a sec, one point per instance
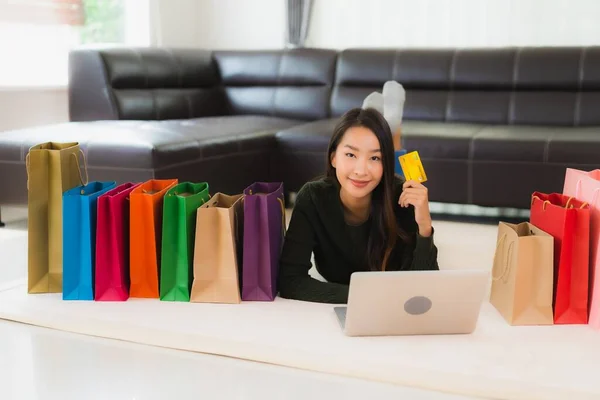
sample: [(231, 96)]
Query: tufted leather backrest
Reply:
[(144, 84), (530, 86), (293, 83)]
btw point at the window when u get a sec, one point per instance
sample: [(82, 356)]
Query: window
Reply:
[(37, 35)]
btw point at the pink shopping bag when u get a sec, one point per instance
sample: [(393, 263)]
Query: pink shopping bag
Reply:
[(112, 244), (585, 186)]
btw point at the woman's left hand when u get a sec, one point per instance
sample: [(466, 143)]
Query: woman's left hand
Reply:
[(415, 194)]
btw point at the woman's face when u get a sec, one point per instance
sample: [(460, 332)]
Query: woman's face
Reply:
[(357, 162)]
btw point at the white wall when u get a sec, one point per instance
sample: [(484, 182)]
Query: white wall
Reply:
[(218, 24), (21, 108), (173, 23), (340, 24)]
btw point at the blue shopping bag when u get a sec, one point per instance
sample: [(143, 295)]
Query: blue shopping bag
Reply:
[(79, 239)]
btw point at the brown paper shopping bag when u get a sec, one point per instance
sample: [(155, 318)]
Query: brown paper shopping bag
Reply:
[(52, 169), (523, 274), (216, 250)]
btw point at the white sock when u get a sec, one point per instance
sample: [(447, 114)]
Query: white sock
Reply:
[(374, 100), (394, 96)]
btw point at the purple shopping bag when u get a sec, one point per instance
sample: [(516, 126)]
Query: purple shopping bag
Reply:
[(264, 229)]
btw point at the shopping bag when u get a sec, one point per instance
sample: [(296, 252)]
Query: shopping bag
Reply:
[(179, 227), (216, 277), (112, 244), (568, 221), (52, 169), (264, 229), (523, 274), (145, 236), (585, 187), (79, 239)]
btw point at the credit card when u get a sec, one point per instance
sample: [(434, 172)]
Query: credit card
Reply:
[(397, 167), (412, 167)]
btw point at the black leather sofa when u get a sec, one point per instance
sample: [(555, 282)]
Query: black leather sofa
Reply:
[(491, 125)]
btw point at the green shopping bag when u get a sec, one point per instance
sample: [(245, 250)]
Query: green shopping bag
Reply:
[(179, 227)]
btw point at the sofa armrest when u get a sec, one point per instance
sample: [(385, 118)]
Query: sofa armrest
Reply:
[(90, 95)]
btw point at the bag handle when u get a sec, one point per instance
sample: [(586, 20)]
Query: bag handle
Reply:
[(282, 213), (571, 206), (538, 198), (87, 178), (567, 206), (28, 168), (282, 208), (506, 269)]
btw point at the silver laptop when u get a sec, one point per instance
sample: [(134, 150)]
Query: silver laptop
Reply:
[(413, 302)]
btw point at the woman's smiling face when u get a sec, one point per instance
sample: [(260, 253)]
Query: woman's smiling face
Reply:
[(357, 162)]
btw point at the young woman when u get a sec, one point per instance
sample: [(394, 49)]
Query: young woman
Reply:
[(359, 217)]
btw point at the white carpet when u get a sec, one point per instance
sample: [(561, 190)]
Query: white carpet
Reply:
[(13, 244), (499, 361)]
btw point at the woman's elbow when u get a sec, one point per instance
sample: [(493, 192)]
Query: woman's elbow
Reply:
[(286, 286)]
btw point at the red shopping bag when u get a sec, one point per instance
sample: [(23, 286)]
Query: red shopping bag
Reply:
[(568, 221), (112, 244)]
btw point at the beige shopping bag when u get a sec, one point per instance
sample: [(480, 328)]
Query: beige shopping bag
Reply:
[(216, 250), (523, 274), (52, 169)]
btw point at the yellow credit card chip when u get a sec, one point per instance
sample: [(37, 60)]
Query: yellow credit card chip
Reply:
[(412, 167)]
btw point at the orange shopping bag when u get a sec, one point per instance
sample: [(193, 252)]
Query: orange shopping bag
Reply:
[(145, 236)]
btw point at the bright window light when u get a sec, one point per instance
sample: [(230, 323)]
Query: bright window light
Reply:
[(35, 54)]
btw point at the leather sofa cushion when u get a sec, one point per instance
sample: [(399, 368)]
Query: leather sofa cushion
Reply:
[(309, 137), (461, 141), (432, 139), (161, 104), (439, 140), (514, 143), (160, 68), (579, 146), (289, 84), (538, 144), (151, 145)]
